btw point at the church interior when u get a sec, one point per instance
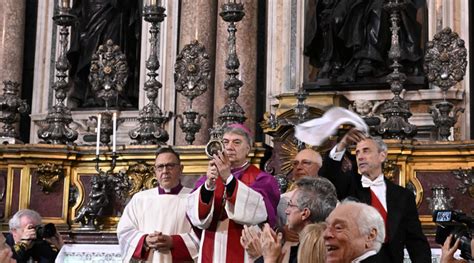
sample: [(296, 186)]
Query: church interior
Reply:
[(88, 97)]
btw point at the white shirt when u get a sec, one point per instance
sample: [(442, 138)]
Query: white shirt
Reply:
[(380, 190)]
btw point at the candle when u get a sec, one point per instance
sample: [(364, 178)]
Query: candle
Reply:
[(152, 2), (98, 134), (114, 132), (64, 3), (196, 32)]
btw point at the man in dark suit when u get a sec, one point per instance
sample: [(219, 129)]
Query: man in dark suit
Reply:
[(354, 233), (366, 183), (24, 242)]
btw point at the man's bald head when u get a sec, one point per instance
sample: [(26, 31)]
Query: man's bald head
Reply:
[(306, 163)]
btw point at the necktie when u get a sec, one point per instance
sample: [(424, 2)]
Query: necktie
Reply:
[(366, 182)]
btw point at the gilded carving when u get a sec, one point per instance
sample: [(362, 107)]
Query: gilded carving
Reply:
[(48, 174), (142, 177), (390, 169)]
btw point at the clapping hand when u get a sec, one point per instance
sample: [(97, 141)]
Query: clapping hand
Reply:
[(271, 244), (250, 241)]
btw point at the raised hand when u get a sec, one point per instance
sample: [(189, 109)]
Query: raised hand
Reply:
[(211, 174), (222, 162), (353, 136), (56, 240), (29, 234), (447, 252)]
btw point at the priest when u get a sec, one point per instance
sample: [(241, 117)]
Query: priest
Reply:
[(154, 227), (233, 193)]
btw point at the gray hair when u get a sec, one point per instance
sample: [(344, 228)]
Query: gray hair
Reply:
[(15, 221), (381, 146), (367, 219), (240, 131), (317, 194)]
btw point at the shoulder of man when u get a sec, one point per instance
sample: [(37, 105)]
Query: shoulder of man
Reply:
[(398, 190), (145, 193)]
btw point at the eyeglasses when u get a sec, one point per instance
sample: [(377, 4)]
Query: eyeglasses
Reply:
[(290, 204), (305, 163), (169, 166)]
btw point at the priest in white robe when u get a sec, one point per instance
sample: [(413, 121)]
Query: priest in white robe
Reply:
[(234, 193), (153, 226)]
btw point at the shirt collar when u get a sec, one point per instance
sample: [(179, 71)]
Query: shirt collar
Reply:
[(240, 169), (173, 191), (366, 182)]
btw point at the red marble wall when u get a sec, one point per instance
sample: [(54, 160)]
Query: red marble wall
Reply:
[(47, 204), (428, 179), (16, 190)]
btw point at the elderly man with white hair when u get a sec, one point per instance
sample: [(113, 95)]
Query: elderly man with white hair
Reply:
[(23, 238), (354, 233)]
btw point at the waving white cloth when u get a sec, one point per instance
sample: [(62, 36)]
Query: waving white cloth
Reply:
[(315, 131)]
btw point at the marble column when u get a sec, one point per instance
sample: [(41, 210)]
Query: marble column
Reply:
[(198, 21), (246, 41), (12, 28)]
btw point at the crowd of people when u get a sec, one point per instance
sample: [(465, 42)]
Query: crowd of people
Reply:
[(236, 212), (330, 214)]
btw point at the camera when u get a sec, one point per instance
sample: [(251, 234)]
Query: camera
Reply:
[(46, 231), (457, 224)]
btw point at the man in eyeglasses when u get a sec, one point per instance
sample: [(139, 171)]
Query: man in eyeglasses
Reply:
[(306, 163), (311, 202), (153, 227)]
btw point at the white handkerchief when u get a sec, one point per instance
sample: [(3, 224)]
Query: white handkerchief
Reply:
[(315, 131)]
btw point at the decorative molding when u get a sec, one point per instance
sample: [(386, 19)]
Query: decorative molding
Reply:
[(48, 175), (141, 177)]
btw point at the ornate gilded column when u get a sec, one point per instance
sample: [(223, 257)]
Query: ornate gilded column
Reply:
[(246, 43), (198, 21), (12, 25)]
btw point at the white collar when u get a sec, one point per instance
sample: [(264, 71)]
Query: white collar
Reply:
[(367, 182)]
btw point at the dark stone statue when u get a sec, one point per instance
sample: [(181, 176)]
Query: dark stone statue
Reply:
[(98, 21), (350, 39), (98, 199)]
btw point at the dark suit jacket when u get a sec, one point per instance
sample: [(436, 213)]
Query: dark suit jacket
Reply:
[(404, 226), (373, 259), (40, 252)]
